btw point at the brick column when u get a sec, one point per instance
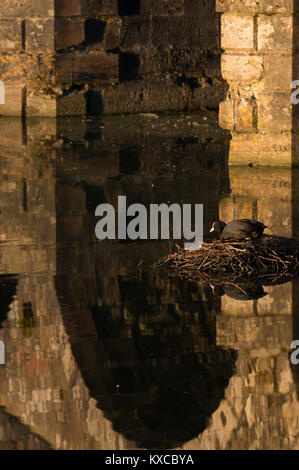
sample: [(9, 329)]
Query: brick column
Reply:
[(257, 39)]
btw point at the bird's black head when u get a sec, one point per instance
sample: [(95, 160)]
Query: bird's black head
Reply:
[(217, 227)]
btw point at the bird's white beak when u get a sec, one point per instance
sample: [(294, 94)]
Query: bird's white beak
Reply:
[(212, 230)]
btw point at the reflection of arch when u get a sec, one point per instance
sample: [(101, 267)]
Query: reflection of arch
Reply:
[(160, 388), (2, 92), (18, 436)]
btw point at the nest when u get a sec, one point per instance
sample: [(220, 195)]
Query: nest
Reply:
[(267, 259)]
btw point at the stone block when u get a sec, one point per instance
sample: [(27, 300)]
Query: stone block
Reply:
[(275, 112), (278, 73), (102, 7), (95, 66), (255, 6), (71, 105), (275, 33), (19, 8), (270, 149), (112, 34), (14, 95), (41, 105), (68, 33), (136, 33), (10, 35), (237, 31), (39, 35), (181, 31), (71, 8), (226, 114), (244, 115), (64, 68), (246, 68), (11, 68)]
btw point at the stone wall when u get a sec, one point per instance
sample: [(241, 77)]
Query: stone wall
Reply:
[(72, 56), (257, 39)]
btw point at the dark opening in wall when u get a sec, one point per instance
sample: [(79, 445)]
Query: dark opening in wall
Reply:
[(94, 31), (128, 7), (128, 66)]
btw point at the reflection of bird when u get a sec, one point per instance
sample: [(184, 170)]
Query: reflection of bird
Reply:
[(252, 292), (241, 229)]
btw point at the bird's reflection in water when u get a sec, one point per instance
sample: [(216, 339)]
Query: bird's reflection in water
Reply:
[(238, 292), (248, 290)]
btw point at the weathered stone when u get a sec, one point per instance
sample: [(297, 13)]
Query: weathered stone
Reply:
[(102, 7), (237, 31), (244, 115), (277, 73), (275, 33), (275, 112), (64, 68), (178, 32), (112, 34), (136, 33), (11, 68), (71, 8), (42, 105), (246, 68), (226, 114), (14, 103), (95, 66), (258, 66), (26, 8), (11, 35), (255, 6), (39, 35), (73, 104), (68, 33), (270, 149)]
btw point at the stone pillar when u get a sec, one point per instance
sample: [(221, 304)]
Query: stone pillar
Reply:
[(257, 39)]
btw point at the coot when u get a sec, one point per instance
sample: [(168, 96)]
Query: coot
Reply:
[(241, 229)]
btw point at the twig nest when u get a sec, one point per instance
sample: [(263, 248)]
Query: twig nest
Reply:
[(267, 256)]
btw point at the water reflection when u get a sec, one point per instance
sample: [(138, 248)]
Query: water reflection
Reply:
[(104, 352)]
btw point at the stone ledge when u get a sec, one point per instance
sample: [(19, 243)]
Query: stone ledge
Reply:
[(27, 8), (254, 6)]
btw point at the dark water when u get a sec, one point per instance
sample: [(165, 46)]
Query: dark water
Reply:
[(103, 351)]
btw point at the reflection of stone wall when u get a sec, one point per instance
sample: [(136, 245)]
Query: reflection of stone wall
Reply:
[(41, 382), (58, 344), (262, 194), (15, 436), (260, 411)]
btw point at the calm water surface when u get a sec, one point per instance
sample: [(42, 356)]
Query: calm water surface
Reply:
[(103, 351)]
